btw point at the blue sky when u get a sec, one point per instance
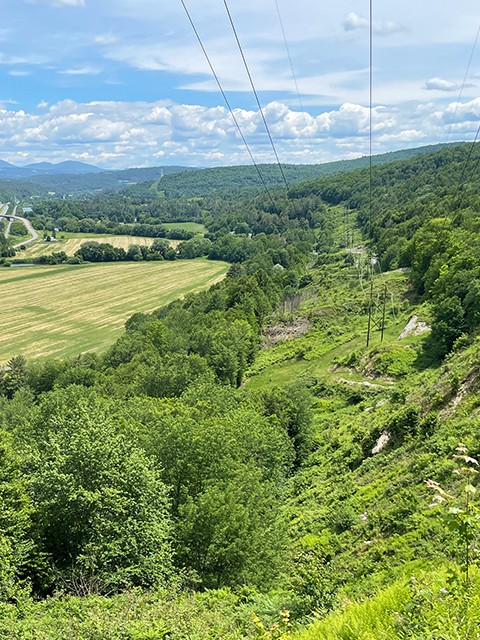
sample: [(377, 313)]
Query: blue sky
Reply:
[(123, 82)]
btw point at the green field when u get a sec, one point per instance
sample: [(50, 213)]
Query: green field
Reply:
[(65, 310), (199, 229), (72, 242)]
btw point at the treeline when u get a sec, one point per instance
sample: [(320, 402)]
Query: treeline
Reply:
[(142, 465), (6, 249), (424, 216), (109, 212), (266, 251), (124, 215)]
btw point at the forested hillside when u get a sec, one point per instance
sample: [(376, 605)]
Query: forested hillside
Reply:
[(245, 462), (233, 180), (175, 181)]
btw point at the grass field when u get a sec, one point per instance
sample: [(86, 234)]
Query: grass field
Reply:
[(70, 245), (199, 229), (65, 310)]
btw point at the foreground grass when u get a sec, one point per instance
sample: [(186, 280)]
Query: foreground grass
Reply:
[(135, 615), (59, 311), (424, 608)]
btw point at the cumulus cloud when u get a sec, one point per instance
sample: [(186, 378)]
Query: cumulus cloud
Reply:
[(465, 113), (440, 84), (355, 22), (120, 134)]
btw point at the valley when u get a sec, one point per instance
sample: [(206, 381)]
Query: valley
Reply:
[(263, 449)]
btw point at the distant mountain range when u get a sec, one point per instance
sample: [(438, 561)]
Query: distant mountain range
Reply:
[(9, 171), (77, 178)]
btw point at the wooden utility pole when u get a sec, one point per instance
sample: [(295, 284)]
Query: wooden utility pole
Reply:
[(383, 311), (370, 304)]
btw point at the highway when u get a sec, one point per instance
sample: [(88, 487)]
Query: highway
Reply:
[(27, 223)]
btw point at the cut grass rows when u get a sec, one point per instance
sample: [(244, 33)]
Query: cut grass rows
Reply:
[(62, 311), (70, 245)]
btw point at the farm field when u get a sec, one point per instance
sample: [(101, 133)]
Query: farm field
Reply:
[(199, 229), (60, 311), (72, 244)]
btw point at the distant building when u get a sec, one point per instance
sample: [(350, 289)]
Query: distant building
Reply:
[(27, 209)]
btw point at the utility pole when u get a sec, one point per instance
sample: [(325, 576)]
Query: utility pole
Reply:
[(383, 311), (370, 304)]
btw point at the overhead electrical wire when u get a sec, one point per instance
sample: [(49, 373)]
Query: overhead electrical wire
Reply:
[(287, 48), (232, 24), (464, 82), (227, 102), (462, 180), (370, 116), (477, 162)]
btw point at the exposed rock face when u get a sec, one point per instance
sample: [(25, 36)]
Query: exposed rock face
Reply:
[(414, 327), (382, 442)]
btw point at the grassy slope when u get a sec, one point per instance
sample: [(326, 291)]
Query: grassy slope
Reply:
[(362, 522), (422, 608), (65, 310)]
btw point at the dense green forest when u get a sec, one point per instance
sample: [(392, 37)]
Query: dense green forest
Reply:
[(228, 180), (241, 463), (178, 182)]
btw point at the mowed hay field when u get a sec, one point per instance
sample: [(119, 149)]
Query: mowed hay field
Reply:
[(70, 245), (58, 311)]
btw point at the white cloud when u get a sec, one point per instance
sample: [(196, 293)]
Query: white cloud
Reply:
[(23, 59), (120, 134), (355, 22), (81, 71), (18, 73), (105, 39), (60, 3), (439, 84)]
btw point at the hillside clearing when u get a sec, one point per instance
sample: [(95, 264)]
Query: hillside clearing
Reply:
[(62, 311), (196, 227)]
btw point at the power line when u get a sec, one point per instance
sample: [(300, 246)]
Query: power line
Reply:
[(370, 131), (464, 82), (463, 180), (255, 91), (370, 92), (467, 161), (472, 173), (227, 102), (295, 79)]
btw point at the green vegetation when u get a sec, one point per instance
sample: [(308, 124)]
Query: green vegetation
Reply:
[(17, 228), (196, 228), (66, 310), (228, 180), (276, 456)]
